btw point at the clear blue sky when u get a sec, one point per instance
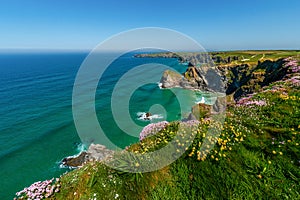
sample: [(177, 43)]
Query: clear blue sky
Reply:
[(82, 24)]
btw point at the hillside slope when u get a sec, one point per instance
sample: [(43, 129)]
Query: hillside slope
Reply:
[(256, 156)]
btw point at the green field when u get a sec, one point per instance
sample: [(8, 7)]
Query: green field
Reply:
[(253, 56)]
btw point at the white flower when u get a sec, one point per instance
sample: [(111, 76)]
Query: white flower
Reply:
[(116, 196)]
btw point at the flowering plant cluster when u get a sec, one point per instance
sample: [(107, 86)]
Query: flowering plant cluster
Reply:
[(216, 146), (281, 145), (292, 64), (183, 131), (247, 101), (39, 190), (294, 80), (152, 129), (256, 102)]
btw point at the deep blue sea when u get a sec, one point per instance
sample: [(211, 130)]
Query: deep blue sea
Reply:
[(36, 121)]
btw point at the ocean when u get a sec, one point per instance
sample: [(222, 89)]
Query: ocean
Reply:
[(37, 129)]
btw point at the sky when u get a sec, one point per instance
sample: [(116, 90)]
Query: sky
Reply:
[(216, 25)]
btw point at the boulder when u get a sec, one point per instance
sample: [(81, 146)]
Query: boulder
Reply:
[(170, 79), (75, 161)]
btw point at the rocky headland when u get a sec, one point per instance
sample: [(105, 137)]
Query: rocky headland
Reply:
[(95, 152), (234, 73), (258, 145)]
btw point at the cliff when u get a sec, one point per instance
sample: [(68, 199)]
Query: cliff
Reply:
[(230, 74), (257, 148)]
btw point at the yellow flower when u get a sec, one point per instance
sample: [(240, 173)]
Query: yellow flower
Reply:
[(274, 152), (212, 156), (259, 176), (280, 153), (137, 164), (297, 144), (269, 162), (284, 97), (217, 159), (293, 98), (289, 141)]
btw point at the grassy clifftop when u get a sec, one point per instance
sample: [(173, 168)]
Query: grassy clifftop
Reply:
[(245, 71), (256, 156), (227, 58)]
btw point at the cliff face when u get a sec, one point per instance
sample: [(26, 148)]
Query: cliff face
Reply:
[(193, 58), (202, 78), (244, 79), (236, 80), (237, 73)]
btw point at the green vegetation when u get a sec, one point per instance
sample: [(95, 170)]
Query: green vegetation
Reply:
[(256, 155), (229, 58), (252, 57)]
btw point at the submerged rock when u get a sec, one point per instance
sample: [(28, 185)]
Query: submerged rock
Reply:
[(96, 152)]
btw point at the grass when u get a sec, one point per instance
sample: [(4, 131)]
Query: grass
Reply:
[(256, 156), (252, 57), (260, 166)]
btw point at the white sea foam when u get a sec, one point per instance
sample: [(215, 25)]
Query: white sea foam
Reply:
[(200, 101), (79, 149), (160, 85), (143, 116)]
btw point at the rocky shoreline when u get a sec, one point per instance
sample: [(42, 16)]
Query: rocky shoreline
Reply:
[(232, 75), (95, 152), (236, 81)]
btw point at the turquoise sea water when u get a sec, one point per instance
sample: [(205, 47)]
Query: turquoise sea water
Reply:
[(36, 126)]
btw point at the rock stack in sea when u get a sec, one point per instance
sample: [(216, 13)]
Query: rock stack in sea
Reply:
[(204, 78)]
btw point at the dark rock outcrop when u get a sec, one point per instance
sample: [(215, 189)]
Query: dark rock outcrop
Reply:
[(96, 152), (234, 79), (246, 79)]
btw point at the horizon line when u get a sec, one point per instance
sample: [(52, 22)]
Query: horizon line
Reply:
[(53, 50)]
